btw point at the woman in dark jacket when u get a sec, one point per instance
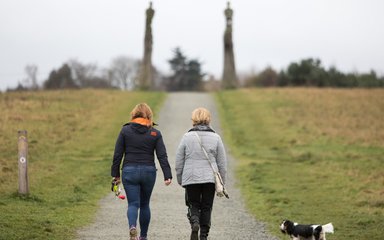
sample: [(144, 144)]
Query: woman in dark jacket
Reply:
[(137, 142)]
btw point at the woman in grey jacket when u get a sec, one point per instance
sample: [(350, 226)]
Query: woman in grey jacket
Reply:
[(195, 173)]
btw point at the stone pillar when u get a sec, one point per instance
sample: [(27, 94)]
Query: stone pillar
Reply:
[(146, 71), (229, 80)]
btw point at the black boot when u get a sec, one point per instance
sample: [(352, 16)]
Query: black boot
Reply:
[(204, 230), (195, 226), (195, 231)]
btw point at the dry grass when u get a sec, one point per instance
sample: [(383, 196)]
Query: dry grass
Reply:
[(311, 155), (52, 119), (71, 136), (356, 115)]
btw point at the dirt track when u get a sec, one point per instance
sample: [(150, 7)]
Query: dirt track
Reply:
[(230, 219)]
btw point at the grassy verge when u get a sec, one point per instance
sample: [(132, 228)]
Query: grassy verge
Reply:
[(310, 155), (71, 138)]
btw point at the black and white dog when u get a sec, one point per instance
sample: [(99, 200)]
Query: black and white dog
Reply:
[(305, 232)]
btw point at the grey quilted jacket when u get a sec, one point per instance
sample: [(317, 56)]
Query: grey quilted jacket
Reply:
[(192, 167)]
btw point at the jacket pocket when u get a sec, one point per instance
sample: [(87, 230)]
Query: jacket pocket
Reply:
[(202, 174), (198, 173)]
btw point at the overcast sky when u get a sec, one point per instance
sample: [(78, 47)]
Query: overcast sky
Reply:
[(348, 34)]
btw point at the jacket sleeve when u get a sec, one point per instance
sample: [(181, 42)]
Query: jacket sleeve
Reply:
[(221, 160), (180, 160), (118, 155), (162, 156)]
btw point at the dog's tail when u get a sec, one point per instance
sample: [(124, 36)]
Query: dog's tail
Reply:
[(328, 228)]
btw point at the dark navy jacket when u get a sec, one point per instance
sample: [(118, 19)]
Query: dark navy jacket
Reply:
[(138, 143)]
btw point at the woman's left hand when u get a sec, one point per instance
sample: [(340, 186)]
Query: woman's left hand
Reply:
[(168, 181)]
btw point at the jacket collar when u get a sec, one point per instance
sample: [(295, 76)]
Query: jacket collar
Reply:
[(204, 128), (142, 121)]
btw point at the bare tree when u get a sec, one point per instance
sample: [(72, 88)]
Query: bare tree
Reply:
[(30, 82), (82, 73), (89, 75), (123, 72)]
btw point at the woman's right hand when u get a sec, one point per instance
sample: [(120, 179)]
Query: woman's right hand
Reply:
[(168, 181)]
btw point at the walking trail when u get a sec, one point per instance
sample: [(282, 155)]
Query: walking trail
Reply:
[(230, 219)]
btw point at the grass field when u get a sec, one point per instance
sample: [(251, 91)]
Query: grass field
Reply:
[(310, 155), (71, 137)]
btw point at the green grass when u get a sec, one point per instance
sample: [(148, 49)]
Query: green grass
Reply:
[(293, 164), (71, 137)]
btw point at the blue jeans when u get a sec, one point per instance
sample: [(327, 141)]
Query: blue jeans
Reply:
[(138, 183)]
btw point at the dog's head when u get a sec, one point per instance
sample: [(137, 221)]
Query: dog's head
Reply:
[(286, 226)]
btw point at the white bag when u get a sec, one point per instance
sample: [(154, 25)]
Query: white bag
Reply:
[(219, 184)]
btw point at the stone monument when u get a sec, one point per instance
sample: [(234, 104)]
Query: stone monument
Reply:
[(146, 71), (229, 79)]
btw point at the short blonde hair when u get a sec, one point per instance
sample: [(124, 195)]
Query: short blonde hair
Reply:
[(142, 110), (201, 116)]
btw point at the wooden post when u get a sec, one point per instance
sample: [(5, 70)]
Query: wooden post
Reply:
[(23, 169)]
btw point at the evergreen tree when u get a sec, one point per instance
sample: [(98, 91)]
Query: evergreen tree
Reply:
[(187, 74), (61, 78)]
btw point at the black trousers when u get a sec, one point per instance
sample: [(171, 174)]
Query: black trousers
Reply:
[(199, 199)]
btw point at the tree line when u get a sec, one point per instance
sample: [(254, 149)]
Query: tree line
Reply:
[(122, 73), (75, 74), (187, 75), (309, 72)]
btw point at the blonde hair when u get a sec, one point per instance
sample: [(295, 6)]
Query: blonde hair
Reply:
[(201, 116), (142, 110)]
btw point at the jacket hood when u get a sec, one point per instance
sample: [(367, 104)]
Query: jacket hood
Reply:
[(139, 125), (139, 128), (142, 121)]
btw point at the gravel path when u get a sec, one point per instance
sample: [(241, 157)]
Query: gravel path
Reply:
[(230, 220)]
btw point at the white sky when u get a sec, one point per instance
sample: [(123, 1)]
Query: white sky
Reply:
[(346, 33)]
